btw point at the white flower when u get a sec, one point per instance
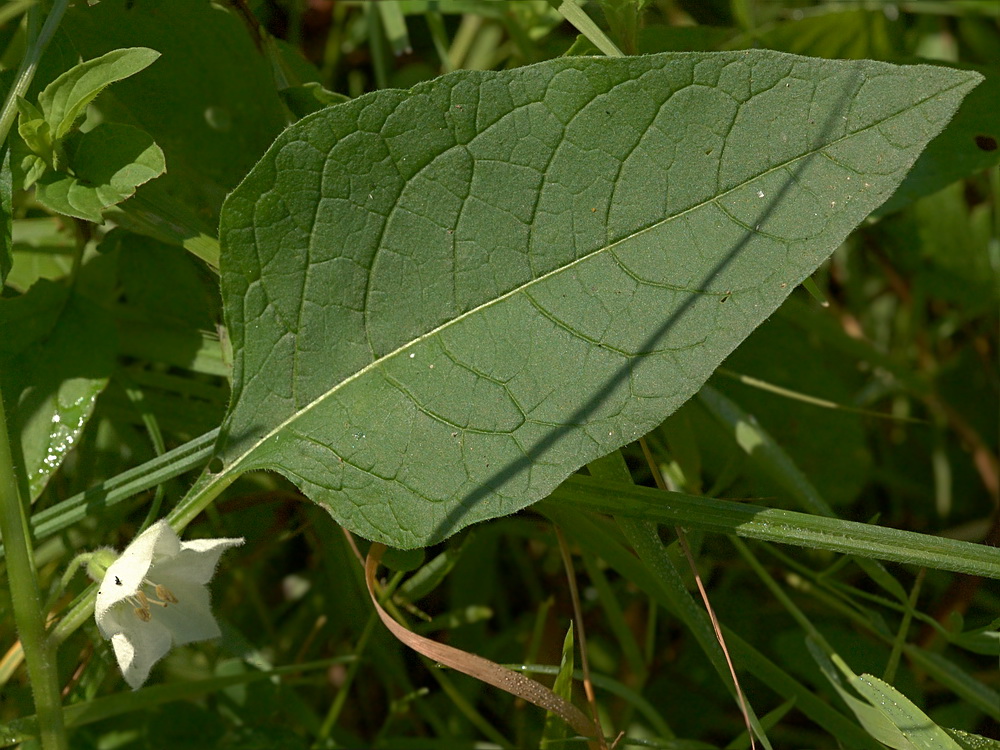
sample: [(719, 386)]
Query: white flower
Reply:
[(155, 596)]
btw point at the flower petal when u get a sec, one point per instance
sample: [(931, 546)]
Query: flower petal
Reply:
[(167, 580), (197, 559), (126, 574), (139, 648), (115, 620), (190, 619)]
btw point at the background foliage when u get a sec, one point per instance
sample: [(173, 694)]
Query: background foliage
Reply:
[(113, 353)]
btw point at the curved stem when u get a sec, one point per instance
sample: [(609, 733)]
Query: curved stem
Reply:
[(205, 490)]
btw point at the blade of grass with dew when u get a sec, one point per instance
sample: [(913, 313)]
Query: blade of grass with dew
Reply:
[(772, 459), (171, 464), (771, 524)]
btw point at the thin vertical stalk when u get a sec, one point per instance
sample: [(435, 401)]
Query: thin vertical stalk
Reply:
[(716, 626), (26, 72), (588, 686), (27, 601)]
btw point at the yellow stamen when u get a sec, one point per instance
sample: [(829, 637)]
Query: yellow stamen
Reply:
[(165, 594)]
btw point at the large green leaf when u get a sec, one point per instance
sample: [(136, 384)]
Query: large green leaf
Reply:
[(443, 301), (970, 144)]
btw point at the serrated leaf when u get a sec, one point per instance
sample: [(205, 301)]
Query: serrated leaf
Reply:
[(55, 358), (64, 100), (443, 301), (109, 163)]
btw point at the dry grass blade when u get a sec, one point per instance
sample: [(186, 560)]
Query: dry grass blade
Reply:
[(682, 538), (476, 666)]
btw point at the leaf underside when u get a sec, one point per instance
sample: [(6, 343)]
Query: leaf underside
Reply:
[(443, 301)]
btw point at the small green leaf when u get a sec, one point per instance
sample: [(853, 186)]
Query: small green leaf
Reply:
[(28, 111), (33, 128), (64, 100), (209, 102), (55, 358), (37, 136), (443, 301), (888, 716), (109, 163)]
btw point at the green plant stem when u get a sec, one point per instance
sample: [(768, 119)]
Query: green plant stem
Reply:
[(340, 699), (208, 487), (899, 642), (81, 610), (121, 487), (26, 600), (25, 73), (586, 26)]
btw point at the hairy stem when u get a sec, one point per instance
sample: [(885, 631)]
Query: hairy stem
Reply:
[(29, 615)]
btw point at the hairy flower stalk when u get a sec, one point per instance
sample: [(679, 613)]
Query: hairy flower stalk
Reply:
[(155, 596)]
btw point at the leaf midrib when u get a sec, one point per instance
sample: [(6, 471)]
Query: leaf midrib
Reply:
[(294, 416)]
